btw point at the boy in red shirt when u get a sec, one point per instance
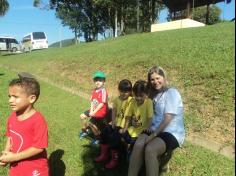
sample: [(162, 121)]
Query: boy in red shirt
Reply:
[(98, 108), (26, 131)]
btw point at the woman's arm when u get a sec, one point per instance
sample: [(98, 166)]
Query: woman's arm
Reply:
[(167, 119), (163, 124)]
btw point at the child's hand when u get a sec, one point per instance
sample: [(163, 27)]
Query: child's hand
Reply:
[(122, 131), (7, 157), (2, 164), (91, 114)]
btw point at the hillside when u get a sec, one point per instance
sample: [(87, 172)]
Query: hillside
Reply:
[(199, 62)]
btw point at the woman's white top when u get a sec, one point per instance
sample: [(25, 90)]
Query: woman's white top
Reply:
[(170, 102)]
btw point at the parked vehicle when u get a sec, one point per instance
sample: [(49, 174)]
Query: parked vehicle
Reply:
[(33, 41), (9, 44)]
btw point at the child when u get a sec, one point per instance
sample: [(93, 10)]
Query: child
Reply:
[(139, 114), (110, 136), (98, 108), (26, 130)]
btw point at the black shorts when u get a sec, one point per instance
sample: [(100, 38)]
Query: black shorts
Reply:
[(170, 141), (99, 122)]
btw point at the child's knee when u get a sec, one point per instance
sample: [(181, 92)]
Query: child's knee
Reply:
[(83, 116)]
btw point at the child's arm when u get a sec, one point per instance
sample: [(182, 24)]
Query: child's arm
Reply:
[(113, 123), (7, 149), (126, 126), (9, 157), (92, 113)]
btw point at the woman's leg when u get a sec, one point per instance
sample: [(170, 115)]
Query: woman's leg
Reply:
[(136, 159), (153, 151)]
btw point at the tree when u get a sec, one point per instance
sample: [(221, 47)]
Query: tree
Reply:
[(4, 6), (200, 14)]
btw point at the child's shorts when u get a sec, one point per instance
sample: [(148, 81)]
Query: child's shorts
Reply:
[(100, 123)]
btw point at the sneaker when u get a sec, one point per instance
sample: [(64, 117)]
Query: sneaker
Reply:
[(95, 142), (82, 135)]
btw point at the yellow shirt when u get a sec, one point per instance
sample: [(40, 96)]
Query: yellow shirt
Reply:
[(141, 114), (121, 108)]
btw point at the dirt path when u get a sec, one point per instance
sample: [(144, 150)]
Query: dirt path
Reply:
[(226, 150)]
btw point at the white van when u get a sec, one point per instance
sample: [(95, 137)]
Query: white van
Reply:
[(33, 41), (9, 44)]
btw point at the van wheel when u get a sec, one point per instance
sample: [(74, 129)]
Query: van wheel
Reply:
[(14, 50)]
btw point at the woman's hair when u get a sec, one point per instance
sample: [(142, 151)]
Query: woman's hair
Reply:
[(30, 85), (159, 71), (140, 88), (125, 85)]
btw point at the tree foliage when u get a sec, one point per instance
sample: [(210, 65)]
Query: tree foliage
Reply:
[(93, 17), (214, 14), (199, 14), (4, 6)]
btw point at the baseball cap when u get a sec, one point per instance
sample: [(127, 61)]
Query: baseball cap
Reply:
[(99, 74)]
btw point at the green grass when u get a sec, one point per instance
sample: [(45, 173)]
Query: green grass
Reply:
[(199, 62), (68, 154)]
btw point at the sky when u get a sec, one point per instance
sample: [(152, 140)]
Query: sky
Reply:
[(23, 18)]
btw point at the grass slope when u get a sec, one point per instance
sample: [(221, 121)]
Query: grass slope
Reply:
[(199, 62), (69, 156)]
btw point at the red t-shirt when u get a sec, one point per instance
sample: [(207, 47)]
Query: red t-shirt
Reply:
[(32, 132), (100, 96)]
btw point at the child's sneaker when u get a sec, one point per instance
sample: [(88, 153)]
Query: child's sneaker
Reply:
[(82, 135), (95, 142)]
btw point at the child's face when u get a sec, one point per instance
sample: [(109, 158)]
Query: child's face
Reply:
[(99, 82), (140, 98), (124, 94), (19, 100)]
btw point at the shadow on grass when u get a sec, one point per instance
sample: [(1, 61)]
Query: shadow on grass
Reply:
[(2, 74), (92, 168), (56, 166)]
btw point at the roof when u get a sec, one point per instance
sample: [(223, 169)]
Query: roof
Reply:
[(178, 5)]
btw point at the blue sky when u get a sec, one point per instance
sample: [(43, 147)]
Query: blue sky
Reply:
[(23, 18)]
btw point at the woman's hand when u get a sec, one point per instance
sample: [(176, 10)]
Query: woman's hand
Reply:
[(150, 138)]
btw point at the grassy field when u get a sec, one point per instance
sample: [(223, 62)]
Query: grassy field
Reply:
[(69, 156), (199, 62)]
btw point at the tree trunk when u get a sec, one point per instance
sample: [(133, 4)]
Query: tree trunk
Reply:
[(138, 30), (116, 19)]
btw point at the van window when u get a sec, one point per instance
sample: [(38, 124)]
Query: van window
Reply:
[(13, 41), (26, 39), (2, 40), (38, 35)]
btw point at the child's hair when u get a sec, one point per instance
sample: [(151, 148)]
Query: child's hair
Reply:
[(140, 88), (125, 85), (31, 85)]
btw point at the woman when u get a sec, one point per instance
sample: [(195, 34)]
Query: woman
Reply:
[(167, 129)]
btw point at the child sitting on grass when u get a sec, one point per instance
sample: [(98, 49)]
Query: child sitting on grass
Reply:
[(98, 109), (110, 136)]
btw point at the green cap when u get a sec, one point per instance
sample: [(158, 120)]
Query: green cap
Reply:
[(99, 74)]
